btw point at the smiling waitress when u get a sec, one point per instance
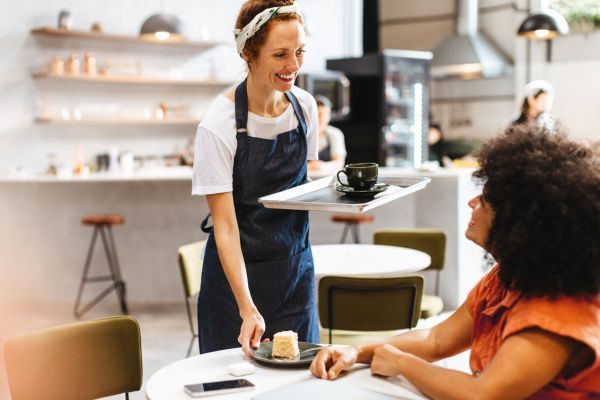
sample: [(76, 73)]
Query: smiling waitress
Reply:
[(255, 140)]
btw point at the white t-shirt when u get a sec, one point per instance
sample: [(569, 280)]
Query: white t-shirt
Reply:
[(337, 145), (216, 142)]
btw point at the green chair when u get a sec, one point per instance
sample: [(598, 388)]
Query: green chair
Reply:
[(369, 304), (83, 360), (190, 266), (430, 241)]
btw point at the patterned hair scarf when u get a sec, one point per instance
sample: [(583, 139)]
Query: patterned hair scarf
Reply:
[(242, 35)]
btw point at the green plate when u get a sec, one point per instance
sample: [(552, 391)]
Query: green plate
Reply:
[(262, 355), (350, 191)]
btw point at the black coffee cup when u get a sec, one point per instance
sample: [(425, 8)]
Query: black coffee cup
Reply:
[(360, 176)]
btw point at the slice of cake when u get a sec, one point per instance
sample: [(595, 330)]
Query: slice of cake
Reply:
[(285, 345)]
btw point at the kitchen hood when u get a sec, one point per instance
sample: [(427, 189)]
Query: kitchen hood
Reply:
[(468, 53)]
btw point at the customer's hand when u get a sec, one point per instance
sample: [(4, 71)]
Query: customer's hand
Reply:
[(386, 360), (330, 362), (251, 331)]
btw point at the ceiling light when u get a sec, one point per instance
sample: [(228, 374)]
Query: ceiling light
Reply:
[(544, 25), (162, 27)]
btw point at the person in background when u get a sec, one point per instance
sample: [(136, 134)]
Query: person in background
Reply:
[(437, 144), (332, 147), (533, 322), (257, 276), (537, 104)]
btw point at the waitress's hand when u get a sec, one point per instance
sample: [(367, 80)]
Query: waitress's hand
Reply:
[(331, 362), (253, 327)]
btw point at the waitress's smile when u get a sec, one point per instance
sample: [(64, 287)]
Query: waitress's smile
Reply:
[(287, 78)]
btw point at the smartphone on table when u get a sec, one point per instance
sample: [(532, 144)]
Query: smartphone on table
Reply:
[(218, 387)]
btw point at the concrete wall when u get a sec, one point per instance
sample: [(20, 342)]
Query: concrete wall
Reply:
[(572, 71)]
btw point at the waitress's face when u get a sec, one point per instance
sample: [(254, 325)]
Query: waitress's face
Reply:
[(482, 216), (281, 56)]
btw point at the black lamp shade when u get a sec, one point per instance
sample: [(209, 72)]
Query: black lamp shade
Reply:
[(544, 25), (162, 23)]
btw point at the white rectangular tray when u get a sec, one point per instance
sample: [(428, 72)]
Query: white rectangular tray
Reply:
[(321, 195)]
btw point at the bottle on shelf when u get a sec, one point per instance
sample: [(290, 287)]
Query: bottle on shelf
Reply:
[(73, 66), (89, 64), (64, 20), (57, 66)]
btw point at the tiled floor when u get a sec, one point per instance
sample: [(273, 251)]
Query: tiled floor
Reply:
[(165, 334)]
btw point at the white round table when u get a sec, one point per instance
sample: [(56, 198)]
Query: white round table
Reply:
[(167, 383), (368, 260)]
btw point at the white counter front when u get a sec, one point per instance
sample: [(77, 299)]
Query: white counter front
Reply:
[(43, 243)]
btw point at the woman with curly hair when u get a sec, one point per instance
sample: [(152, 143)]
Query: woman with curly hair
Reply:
[(533, 322)]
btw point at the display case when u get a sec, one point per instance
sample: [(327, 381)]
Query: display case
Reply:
[(389, 107)]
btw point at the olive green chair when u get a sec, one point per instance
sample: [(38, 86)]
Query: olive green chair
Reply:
[(79, 361), (369, 304), (430, 241), (190, 266)]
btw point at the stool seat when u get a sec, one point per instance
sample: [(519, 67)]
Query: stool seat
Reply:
[(351, 221), (107, 219), (352, 218)]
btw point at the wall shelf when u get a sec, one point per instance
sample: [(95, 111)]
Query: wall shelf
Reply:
[(130, 80), (84, 35), (83, 122)]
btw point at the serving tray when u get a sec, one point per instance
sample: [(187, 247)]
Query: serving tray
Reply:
[(321, 195)]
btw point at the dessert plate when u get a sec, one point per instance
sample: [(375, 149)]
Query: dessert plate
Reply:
[(262, 355), (350, 191)]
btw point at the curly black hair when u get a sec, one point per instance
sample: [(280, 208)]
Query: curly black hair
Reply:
[(545, 192)]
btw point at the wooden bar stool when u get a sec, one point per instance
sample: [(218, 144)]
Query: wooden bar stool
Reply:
[(103, 225), (352, 222)]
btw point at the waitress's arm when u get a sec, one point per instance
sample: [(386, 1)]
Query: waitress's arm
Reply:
[(227, 238)]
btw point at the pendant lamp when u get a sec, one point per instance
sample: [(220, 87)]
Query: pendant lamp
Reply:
[(162, 27), (545, 24)]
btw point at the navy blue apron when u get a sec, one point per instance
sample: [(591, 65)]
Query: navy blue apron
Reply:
[(275, 243)]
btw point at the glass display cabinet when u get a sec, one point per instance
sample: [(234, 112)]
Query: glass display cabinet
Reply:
[(389, 107)]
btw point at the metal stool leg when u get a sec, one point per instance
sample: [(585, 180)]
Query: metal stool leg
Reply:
[(86, 268), (355, 233), (113, 263), (344, 233), (115, 274)]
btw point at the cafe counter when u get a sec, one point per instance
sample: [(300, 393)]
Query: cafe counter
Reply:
[(43, 244)]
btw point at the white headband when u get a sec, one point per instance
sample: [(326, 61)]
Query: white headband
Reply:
[(242, 35)]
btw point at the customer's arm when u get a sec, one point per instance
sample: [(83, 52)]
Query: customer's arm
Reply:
[(227, 238), (524, 364), (450, 337)]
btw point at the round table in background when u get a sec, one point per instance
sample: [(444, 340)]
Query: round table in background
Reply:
[(367, 260)]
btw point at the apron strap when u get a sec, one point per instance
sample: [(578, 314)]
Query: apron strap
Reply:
[(241, 108), (204, 225), (298, 111)]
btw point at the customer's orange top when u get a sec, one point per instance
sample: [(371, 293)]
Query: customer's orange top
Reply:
[(498, 313)]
